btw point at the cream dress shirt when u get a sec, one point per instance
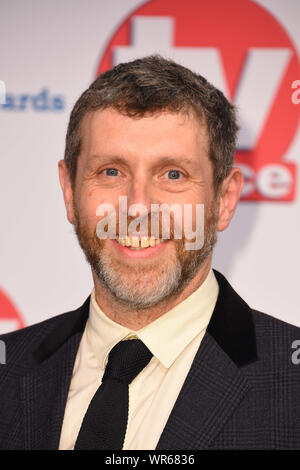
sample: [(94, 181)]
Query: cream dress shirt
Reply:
[(173, 339)]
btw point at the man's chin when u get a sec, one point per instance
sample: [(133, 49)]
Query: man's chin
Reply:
[(139, 285)]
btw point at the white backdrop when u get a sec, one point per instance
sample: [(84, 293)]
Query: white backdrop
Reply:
[(50, 52)]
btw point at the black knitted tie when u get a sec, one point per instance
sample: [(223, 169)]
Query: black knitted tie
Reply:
[(104, 424)]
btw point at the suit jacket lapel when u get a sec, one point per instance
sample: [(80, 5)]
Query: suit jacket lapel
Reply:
[(44, 390), (215, 384)]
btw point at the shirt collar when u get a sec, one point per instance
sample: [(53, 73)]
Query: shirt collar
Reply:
[(167, 336)]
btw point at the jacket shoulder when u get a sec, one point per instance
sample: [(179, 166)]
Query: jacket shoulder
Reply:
[(21, 344), (266, 324), (276, 341)]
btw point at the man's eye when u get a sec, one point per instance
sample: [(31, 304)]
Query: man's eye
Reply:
[(111, 172), (174, 174)]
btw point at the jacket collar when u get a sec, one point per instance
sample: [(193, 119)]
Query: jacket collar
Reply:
[(69, 324), (231, 326)]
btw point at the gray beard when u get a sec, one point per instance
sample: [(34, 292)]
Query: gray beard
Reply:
[(142, 293), (171, 278), (138, 296)]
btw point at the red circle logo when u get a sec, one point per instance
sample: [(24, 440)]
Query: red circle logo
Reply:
[(10, 318), (243, 50)]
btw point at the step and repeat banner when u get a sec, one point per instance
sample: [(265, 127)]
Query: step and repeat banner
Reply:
[(50, 51)]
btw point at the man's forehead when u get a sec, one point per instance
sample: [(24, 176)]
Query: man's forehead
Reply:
[(105, 132), (109, 116)]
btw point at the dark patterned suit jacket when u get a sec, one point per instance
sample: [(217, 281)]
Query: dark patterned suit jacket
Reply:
[(242, 391)]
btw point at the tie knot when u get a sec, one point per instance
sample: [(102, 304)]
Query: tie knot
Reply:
[(126, 360)]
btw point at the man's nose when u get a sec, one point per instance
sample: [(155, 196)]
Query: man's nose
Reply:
[(139, 192)]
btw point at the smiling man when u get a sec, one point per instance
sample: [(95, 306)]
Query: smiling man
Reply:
[(158, 158), (163, 354)]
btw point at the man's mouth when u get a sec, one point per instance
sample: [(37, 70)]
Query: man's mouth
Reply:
[(139, 243)]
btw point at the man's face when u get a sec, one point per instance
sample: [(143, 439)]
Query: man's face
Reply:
[(161, 158)]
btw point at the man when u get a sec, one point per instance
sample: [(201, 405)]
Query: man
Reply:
[(209, 372)]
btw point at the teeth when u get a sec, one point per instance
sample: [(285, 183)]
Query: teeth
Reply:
[(136, 242), (144, 242), (152, 241)]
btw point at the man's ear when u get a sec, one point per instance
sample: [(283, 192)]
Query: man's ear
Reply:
[(229, 195), (67, 189)]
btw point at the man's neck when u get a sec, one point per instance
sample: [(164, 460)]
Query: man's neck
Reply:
[(135, 320)]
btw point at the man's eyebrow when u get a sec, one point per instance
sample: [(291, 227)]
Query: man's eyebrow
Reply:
[(157, 162), (178, 161), (106, 158), (175, 160)]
